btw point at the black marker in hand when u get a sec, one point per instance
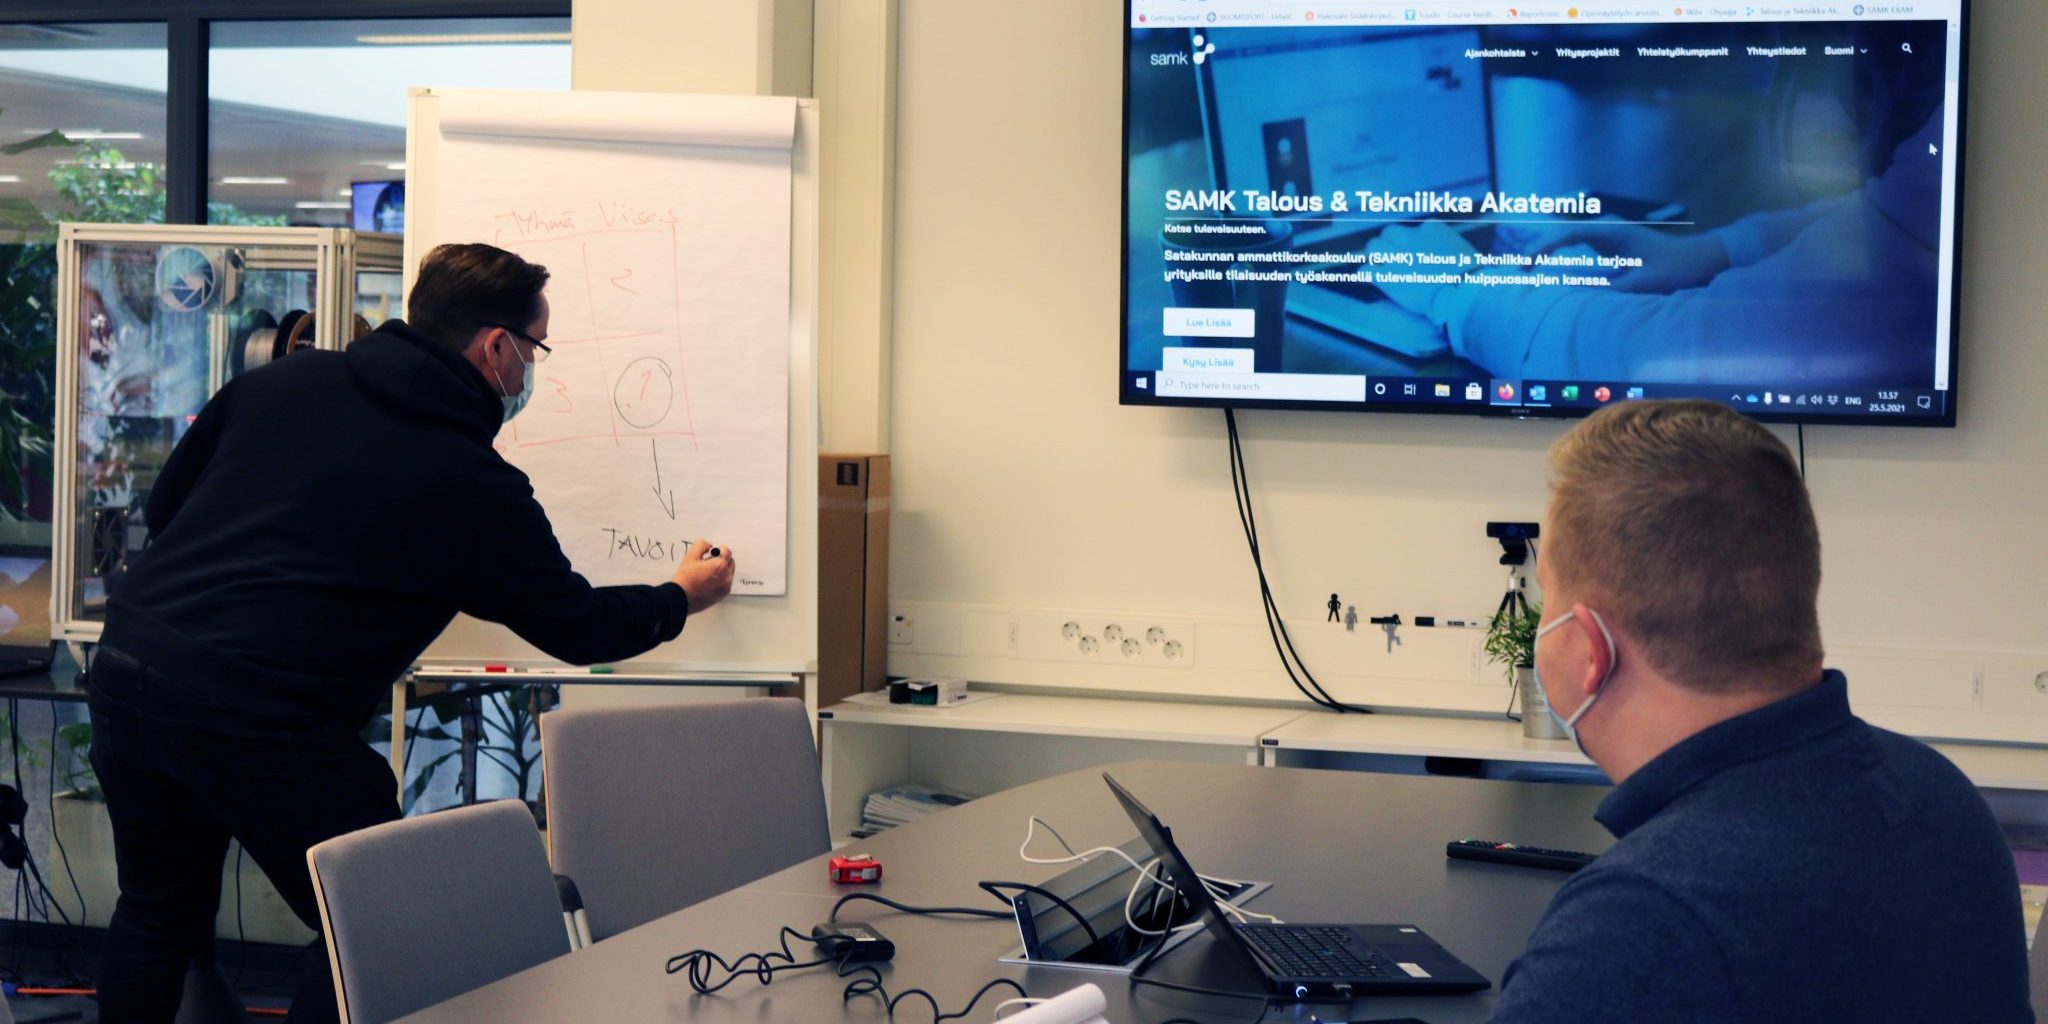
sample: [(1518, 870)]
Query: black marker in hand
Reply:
[(705, 573)]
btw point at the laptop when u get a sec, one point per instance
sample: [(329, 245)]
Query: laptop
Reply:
[(24, 609), (1311, 961)]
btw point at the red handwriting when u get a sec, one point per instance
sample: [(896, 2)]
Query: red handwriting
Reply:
[(627, 214), (534, 222)]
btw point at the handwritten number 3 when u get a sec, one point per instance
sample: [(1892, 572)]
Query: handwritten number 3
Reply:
[(562, 392)]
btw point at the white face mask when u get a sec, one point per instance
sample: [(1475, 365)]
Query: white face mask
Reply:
[(1570, 725), (514, 403)]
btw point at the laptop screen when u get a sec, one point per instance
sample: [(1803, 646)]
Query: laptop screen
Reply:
[(24, 600), (1178, 872)]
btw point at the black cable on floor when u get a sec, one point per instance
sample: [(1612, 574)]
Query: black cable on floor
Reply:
[(57, 835), (1276, 628)]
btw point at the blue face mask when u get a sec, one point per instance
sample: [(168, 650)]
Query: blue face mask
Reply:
[(514, 403), (1570, 725)]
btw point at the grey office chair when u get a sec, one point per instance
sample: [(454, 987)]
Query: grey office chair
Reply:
[(653, 809), (424, 909)]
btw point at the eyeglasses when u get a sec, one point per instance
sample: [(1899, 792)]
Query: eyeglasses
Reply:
[(541, 351)]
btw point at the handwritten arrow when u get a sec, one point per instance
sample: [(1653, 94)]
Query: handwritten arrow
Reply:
[(668, 504)]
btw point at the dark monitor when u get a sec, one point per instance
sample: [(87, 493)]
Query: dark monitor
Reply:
[(378, 206)]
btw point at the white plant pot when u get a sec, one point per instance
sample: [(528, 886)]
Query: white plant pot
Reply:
[(88, 842)]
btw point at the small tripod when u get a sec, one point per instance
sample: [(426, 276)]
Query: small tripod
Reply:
[(1514, 604)]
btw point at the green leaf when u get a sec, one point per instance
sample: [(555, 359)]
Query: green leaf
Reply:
[(22, 215), (77, 736), (50, 138)]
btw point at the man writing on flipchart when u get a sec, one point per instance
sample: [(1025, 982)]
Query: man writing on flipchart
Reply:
[(320, 523)]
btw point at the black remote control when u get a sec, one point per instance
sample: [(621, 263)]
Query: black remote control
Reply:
[(1510, 853)]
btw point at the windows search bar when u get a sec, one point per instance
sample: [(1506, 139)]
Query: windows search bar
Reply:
[(1293, 387)]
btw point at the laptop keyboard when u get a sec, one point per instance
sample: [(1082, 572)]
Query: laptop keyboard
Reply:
[(1313, 951)]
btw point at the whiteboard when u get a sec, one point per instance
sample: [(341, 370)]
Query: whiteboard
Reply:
[(681, 400)]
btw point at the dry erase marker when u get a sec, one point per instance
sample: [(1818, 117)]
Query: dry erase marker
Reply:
[(600, 670), (687, 543)]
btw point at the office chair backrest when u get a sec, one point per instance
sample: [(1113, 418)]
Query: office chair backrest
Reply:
[(424, 909), (653, 809)]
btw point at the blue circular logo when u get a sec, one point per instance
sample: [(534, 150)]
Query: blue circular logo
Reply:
[(185, 279)]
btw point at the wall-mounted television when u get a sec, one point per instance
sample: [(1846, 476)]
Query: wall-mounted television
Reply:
[(1537, 209), (377, 206)]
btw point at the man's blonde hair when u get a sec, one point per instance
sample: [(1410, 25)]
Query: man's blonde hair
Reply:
[(1687, 525)]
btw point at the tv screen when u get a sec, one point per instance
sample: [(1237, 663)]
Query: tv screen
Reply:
[(377, 206), (1540, 209)]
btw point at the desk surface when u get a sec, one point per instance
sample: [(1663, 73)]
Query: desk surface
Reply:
[(1338, 846), (60, 683)]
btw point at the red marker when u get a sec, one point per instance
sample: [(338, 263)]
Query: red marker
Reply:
[(494, 668)]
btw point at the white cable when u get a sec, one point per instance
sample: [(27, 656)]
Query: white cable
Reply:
[(1032, 827), (1131, 920), (1240, 913), (1145, 872), (1038, 821)]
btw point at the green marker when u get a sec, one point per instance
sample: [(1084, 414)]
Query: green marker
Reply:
[(600, 670)]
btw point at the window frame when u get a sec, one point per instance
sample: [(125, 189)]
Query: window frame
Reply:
[(188, 38)]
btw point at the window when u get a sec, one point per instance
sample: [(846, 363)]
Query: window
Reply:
[(84, 107), (81, 138), (307, 118)]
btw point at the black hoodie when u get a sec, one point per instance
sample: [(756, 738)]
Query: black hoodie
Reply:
[(325, 517)]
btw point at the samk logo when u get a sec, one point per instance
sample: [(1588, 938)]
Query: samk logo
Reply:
[(1202, 49)]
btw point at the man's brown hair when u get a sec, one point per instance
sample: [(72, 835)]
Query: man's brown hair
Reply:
[(461, 288), (1687, 524)]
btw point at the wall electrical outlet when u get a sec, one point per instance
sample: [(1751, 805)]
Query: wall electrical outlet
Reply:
[(902, 631), (1129, 640)]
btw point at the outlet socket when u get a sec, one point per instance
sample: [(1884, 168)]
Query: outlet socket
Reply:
[(1124, 640)]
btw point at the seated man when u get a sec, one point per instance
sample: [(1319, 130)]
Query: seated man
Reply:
[(1776, 858)]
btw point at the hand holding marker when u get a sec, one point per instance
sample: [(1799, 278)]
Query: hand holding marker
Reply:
[(705, 574)]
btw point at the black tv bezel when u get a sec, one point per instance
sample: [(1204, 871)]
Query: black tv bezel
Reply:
[(1128, 394)]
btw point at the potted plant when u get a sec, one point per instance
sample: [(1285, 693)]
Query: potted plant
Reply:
[(1511, 644)]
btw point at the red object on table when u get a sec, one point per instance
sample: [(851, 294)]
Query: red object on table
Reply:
[(855, 868)]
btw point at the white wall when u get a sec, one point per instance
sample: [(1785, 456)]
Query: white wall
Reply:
[(759, 47), (1021, 485)]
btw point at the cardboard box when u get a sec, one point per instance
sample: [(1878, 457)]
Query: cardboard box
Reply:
[(853, 574)]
